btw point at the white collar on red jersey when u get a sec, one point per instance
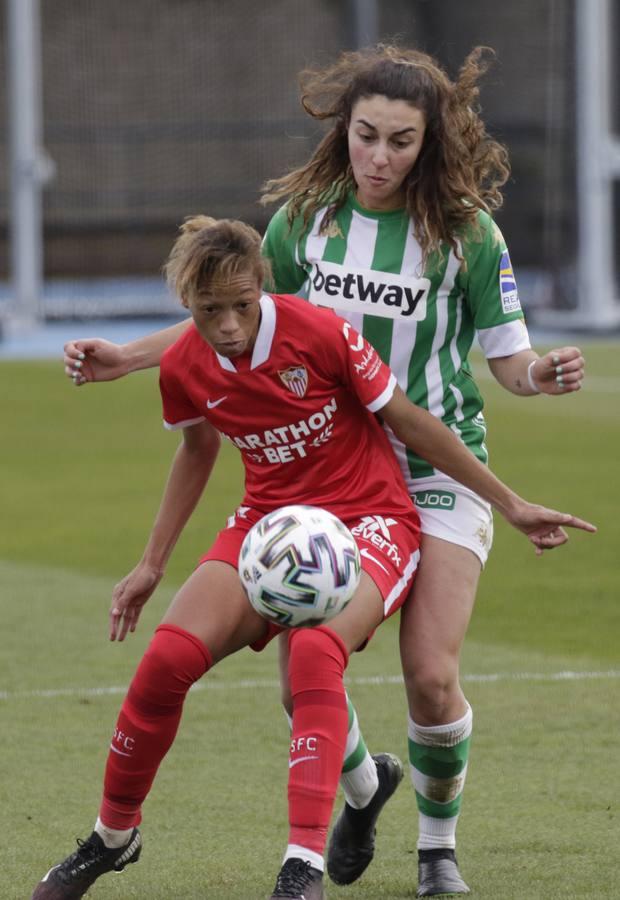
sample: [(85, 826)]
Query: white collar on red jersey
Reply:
[(264, 338)]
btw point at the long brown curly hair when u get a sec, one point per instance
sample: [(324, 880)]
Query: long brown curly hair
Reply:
[(460, 169)]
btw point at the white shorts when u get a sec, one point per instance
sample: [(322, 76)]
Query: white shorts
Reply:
[(453, 513)]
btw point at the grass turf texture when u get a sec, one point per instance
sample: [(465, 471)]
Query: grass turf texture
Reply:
[(82, 476)]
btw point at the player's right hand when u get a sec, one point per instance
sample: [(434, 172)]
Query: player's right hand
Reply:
[(93, 359)]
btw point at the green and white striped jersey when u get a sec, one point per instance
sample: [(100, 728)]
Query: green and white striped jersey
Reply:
[(422, 321)]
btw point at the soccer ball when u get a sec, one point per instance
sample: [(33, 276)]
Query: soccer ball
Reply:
[(299, 565)]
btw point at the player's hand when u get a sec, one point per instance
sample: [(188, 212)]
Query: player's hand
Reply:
[(93, 359), (559, 371), (544, 527), (129, 597)]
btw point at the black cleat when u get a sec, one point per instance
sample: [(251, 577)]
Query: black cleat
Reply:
[(73, 877), (438, 873), (297, 880), (352, 842)]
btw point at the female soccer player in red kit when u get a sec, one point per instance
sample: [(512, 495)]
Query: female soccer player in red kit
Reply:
[(314, 439), (389, 221)]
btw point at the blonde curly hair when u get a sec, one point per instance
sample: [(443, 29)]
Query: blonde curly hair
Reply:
[(209, 250)]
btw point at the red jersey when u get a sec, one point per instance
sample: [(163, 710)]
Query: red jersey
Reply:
[(299, 407)]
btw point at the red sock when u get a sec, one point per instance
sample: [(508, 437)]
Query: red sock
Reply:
[(148, 721), (317, 661)]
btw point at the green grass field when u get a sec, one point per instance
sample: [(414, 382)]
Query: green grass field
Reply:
[(82, 475)]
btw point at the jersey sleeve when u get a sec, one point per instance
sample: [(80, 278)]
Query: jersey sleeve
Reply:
[(280, 248), (491, 292), (178, 409), (361, 367)]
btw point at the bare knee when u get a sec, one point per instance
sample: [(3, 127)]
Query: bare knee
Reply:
[(434, 693)]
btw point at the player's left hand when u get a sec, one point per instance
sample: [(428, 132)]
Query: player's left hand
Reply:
[(129, 597), (560, 371), (544, 527)]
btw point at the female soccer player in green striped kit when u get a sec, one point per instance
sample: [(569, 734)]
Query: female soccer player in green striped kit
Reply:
[(389, 223)]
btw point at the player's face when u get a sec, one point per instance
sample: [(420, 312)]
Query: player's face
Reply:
[(229, 315), (385, 138)]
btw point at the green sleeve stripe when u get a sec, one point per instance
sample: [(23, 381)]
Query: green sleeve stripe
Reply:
[(439, 810), (439, 762)]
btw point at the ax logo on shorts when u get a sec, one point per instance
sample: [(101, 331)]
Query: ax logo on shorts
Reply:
[(372, 524), (376, 530)]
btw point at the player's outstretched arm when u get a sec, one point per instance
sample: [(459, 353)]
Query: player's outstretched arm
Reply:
[(95, 359), (432, 440), (189, 474), (544, 527), (558, 372)]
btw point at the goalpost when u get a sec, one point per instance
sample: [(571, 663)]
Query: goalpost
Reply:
[(29, 166), (598, 167)]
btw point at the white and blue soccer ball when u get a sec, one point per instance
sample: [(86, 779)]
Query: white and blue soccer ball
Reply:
[(300, 566)]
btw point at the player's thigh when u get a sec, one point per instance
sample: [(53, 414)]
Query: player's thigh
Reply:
[(361, 615), (436, 616), (213, 606)]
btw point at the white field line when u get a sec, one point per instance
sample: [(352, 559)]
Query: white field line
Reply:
[(255, 684)]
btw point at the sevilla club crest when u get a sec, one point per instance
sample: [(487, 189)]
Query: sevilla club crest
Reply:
[(295, 379)]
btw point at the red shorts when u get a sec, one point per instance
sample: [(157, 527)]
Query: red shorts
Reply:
[(389, 551)]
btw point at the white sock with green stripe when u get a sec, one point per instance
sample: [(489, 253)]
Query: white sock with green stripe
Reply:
[(438, 764), (358, 779)]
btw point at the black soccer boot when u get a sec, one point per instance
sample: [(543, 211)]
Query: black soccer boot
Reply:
[(298, 880), (352, 842), (438, 873), (73, 877)]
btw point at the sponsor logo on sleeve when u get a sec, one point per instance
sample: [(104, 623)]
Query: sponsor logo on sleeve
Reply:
[(358, 344), (508, 285), (369, 364)]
